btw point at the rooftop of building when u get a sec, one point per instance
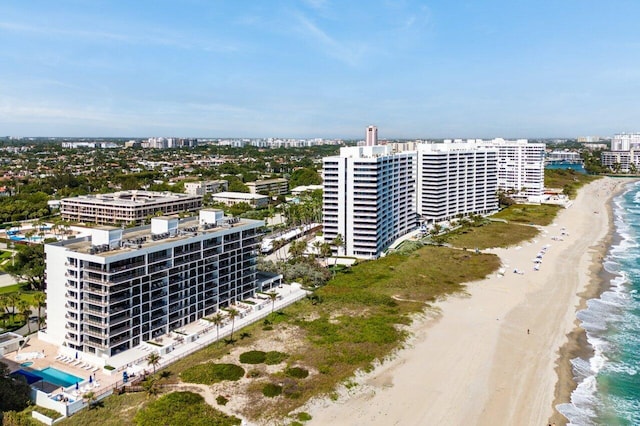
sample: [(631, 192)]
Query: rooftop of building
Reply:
[(132, 197), (239, 195), (108, 241)]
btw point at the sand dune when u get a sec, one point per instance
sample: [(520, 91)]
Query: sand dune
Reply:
[(489, 358)]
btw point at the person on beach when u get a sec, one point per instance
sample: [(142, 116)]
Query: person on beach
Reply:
[(527, 331)]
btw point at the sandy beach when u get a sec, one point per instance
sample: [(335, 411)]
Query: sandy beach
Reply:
[(490, 357)]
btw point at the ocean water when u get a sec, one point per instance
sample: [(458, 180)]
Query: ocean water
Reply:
[(608, 391)]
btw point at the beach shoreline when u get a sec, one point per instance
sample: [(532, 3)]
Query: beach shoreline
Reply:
[(491, 356), (577, 345)]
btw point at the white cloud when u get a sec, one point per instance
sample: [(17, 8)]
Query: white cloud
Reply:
[(346, 52)]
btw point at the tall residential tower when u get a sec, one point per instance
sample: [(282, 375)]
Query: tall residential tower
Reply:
[(368, 198), (456, 179)]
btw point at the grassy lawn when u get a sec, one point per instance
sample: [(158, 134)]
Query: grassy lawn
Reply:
[(493, 234), (568, 179), (4, 255), (115, 410), (542, 214), (25, 293), (182, 408)]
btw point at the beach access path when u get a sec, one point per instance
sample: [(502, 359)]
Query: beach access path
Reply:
[(489, 357)]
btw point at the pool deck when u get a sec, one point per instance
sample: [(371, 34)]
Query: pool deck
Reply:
[(134, 360)]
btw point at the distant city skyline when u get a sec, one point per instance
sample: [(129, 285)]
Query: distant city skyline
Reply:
[(319, 68)]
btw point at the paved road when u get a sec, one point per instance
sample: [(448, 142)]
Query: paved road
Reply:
[(6, 280)]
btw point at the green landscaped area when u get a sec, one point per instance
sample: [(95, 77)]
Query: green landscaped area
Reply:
[(492, 234), (567, 179), (541, 214)]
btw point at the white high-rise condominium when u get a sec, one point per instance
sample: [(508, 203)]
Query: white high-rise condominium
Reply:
[(625, 142), (115, 289), (368, 198), (456, 179), (520, 166), (371, 136)]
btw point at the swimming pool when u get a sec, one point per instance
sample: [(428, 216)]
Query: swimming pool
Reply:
[(58, 377)]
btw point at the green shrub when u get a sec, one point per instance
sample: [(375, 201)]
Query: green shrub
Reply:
[(211, 373), (304, 417), (271, 390), (253, 357), (275, 357), (222, 400), (297, 372), (182, 408)]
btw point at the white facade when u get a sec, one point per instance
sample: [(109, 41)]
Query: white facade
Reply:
[(206, 187), (125, 207), (368, 198), (625, 142), (371, 137), (520, 166), (115, 289), (456, 179), (621, 161), (231, 198)]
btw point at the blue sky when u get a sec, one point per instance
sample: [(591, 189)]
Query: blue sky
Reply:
[(319, 68)]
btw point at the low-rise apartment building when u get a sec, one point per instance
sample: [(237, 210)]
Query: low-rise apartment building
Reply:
[(279, 186), (206, 187), (231, 198), (127, 207)]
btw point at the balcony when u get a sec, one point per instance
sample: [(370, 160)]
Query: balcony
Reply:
[(101, 334), (72, 338), (95, 290), (119, 319), (94, 323), (94, 311), (95, 301), (117, 309)]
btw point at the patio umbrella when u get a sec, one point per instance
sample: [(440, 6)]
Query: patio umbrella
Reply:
[(77, 387), (90, 379)]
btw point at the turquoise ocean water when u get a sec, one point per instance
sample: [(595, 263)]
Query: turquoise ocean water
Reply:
[(608, 391)]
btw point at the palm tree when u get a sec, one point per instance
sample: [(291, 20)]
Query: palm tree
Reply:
[(316, 247), (325, 251), (338, 241), (90, 397), (297, 248), (13, 299), (4, 309), (41, 300), (273, 296), (217, 320), (150, 386), (153, 359), (277, 245), (23, 306), (233, 313)]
